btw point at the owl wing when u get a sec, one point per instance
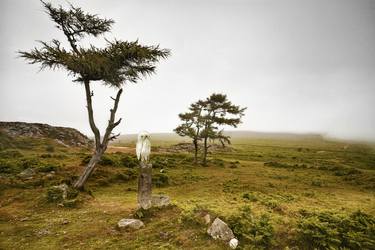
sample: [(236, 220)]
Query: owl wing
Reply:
[(146, 150), (138, 149)]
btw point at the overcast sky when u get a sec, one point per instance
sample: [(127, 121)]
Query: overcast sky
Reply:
[(299, 66)]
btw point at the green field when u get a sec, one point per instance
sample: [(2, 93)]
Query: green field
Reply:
[(276, 192)]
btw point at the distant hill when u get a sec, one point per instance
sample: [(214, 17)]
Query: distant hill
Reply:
[(236, 136), (13, 134)]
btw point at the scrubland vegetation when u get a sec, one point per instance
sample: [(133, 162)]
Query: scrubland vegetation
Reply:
[(285, 193)]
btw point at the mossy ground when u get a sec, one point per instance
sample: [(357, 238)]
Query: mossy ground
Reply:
[(279, 178)]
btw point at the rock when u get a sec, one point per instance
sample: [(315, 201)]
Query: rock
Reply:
[(220, 230), (24, 219), (27, 173), (130, 223), (164, 235), (207, 219), (50, 176), (233, 243), (64, 222), (43, 232), (160, 200)]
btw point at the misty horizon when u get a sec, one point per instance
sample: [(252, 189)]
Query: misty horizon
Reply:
[(298, 66)]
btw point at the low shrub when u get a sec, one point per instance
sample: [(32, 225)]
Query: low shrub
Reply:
[(56, 193), (50, 148), (326, 230), (218, 162), (29, 163), (7, 167), (48, 168), (276, 164), (250, 197), (271, 203), (195, 216), (86, 159), (10, 153), (317, 183), (128, 161), (121, 177), (160, 180), (108, 160), (251, 230)]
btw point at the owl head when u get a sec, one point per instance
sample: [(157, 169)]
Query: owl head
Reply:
[(143, 136)]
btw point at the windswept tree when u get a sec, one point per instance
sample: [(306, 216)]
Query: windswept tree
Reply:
[(205, 121), (114, 65), (219, 112), (192, 125)]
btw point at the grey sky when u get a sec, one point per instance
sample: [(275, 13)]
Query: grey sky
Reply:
[(299, 66)]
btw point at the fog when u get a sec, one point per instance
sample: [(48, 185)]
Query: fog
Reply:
[(299, 66)]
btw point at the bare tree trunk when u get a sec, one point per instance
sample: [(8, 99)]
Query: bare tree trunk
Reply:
[(205, 152), (145, 185), (79, 184), (100, 146), (195, 151)]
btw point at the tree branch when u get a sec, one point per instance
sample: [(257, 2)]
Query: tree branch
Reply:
[(90, 111), (111, 122)]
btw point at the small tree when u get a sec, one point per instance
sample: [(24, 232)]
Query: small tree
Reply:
[(219, 111), (119, 62), (192, 125), (204, 118)]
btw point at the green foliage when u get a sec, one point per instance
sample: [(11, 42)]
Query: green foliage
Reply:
[(250, 197), (50, 148), (108, 160), (271, 203), (231, 186), (194, 216), (326, 230), (118, 62), (218, 162), (276, 164), (252, 230), (317, 183), (10, 153), (48, 168), (56, 194), (171, 161), (160, 180), (30, 162), (7, 166), (129, 161)]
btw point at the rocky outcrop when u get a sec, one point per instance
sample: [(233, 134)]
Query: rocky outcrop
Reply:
[(62, 135)]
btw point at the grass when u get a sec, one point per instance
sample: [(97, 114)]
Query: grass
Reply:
[(275, 178)]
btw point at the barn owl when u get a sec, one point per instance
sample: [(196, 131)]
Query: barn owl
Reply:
[(143, 148)]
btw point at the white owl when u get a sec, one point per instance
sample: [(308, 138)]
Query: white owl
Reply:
[(143, 148)]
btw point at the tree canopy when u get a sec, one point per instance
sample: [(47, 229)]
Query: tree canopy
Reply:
[(117, 63)]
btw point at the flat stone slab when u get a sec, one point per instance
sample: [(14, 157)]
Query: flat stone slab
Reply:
[(130, 223), (219, 230), (160, 200)]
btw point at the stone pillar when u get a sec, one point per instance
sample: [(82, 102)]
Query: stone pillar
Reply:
[(145, 185)]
